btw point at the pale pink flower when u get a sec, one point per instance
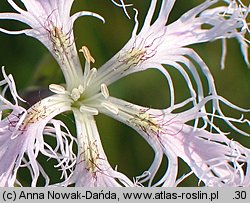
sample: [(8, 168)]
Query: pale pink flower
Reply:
[(86, 94)]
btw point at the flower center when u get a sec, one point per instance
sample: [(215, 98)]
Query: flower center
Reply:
[(82, 96)]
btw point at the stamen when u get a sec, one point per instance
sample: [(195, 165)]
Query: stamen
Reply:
[(86, 54), (105, 91), (58, 89), (89, 110), (111, 107)]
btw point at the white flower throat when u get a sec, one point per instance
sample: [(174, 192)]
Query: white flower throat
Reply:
[(81, 98)]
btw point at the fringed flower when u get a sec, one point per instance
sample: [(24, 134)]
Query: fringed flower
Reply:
[(212, 157)]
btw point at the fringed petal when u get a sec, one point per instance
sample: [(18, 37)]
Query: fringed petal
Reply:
[(51, 24), (212, 157), (92, 167)]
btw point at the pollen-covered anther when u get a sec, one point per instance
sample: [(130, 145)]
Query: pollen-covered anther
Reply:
[(104, 91), (110, 107), (89, 110), (86, 54)]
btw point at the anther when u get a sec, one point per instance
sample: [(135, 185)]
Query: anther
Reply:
[(104, 91), (86, 54), (58, 89), (89, 110)]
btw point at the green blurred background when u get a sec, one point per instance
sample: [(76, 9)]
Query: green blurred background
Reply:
[(34, 69)]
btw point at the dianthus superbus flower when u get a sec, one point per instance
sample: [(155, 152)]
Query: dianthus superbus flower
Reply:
[(86, 94)]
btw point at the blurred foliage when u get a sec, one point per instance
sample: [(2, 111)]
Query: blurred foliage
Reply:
[(34, 69)]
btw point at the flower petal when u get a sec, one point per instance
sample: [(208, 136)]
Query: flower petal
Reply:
[(92, 167), (212, 157), (51, 24)]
